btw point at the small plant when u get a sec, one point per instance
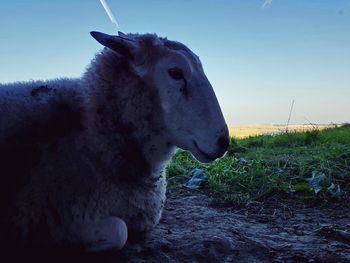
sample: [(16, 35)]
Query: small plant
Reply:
[(312, 136), (235, 148), (257, 141)]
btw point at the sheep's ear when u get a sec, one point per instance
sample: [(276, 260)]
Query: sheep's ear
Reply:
[(122, 44)]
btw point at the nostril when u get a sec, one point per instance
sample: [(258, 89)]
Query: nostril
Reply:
[(223, 142)]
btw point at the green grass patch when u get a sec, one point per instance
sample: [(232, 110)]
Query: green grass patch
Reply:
[(312, 165)]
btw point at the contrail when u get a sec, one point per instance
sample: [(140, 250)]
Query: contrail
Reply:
[(267, 2), (109, 12)]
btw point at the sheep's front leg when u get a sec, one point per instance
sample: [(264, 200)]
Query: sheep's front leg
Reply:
[(109, 233)]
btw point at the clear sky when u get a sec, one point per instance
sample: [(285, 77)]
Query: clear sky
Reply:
[(257, 59)]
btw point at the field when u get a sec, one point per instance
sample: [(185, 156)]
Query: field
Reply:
[(310, 165), (244, 131)]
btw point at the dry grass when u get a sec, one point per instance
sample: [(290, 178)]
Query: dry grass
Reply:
[(262, 129)]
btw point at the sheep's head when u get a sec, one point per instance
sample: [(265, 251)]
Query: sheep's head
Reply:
[(193, 117)]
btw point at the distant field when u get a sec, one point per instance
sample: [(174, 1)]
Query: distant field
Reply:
[(268, 129)]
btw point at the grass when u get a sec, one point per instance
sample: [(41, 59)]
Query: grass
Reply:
[(310, 166)]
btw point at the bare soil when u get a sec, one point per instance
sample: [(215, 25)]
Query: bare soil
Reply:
[(192, 230)]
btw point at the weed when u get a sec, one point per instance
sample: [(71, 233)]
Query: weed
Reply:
[(312, 136)]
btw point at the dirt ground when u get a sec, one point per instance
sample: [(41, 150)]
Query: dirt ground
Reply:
[(192, 230)]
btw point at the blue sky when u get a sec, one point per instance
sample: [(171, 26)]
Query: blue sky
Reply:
[(257, 59)]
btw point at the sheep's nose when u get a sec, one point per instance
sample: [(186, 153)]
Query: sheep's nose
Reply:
[(223, 142)]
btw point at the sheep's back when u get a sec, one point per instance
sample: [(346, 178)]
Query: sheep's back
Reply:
[(26, 105)]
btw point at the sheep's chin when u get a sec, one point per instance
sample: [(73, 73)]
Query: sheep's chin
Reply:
[(201, 155)]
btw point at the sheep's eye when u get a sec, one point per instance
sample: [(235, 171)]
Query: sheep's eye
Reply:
[(176, 73)]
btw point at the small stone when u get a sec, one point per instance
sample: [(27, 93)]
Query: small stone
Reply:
[(197, 180)]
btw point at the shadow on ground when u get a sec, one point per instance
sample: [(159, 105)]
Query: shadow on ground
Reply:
[(191, 230)]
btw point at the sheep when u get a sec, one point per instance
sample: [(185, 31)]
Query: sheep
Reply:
[(82, 160)]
